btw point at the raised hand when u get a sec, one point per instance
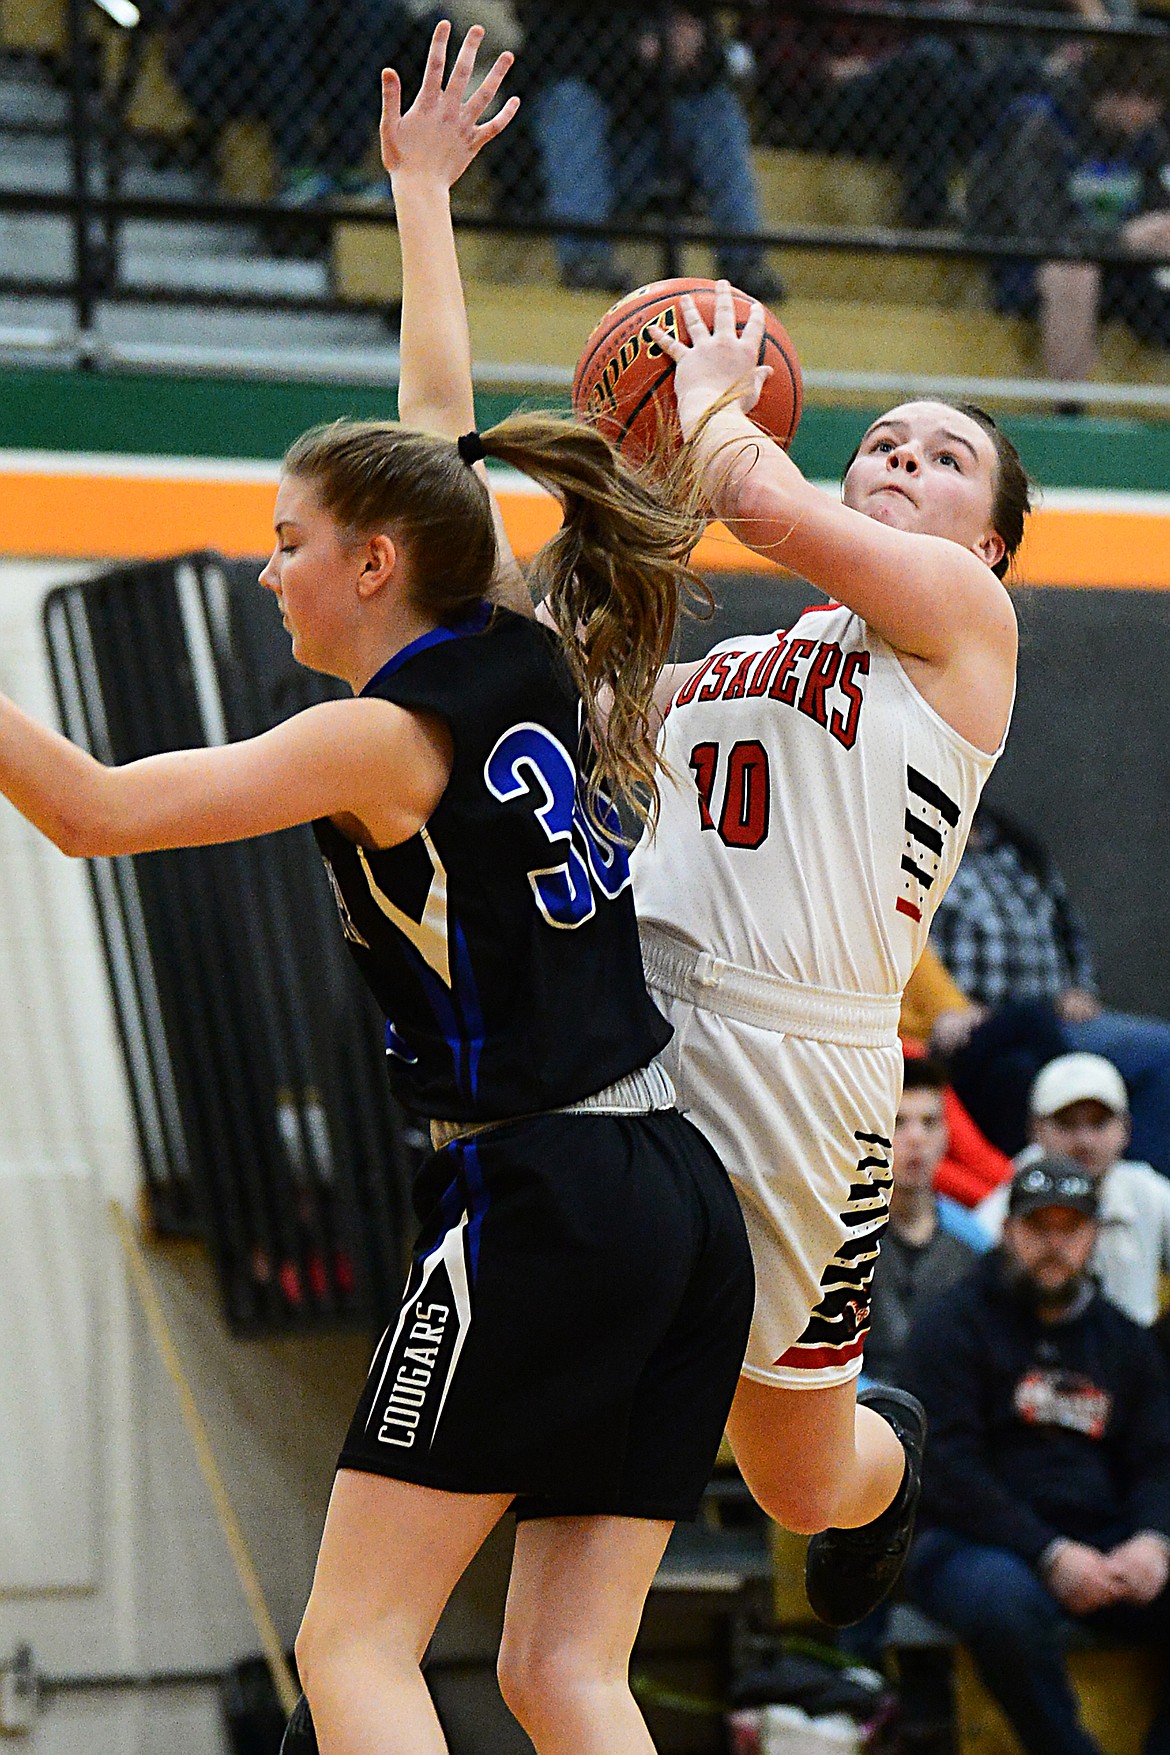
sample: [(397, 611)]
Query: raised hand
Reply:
[(441, 132), (715, 361)]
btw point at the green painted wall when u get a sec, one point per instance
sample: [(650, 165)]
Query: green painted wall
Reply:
[(210, 417)]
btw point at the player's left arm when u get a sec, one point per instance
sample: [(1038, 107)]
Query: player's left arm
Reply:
[(426, 151), (366, 760)]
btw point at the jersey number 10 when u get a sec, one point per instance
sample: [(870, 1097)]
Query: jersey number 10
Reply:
[(743, 814)]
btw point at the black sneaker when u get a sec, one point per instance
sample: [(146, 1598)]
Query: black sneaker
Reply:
[(848, 1572), (300, 1737)]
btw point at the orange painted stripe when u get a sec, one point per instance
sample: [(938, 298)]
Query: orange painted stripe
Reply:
[(131, 517), (114, 517), (1125, 549)]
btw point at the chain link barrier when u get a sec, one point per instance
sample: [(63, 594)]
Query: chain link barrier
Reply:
[(972, 158)]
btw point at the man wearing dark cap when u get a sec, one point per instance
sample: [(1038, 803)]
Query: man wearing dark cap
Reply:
[(1046, 1487)]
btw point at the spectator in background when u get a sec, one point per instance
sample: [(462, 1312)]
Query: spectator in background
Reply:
[(1086, 164), (309, 69), (930, 1240), (1046, 1487), (972, 1166), (1017, 949), (917, 101), (1079, 1108), (601, 121)]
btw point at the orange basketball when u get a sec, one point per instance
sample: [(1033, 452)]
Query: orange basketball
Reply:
[(623, 379)]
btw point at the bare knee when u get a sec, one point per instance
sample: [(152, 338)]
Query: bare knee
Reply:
[(314, 1642), (799, 1503), (544, 1684), (797, 1450), (333, 1635)]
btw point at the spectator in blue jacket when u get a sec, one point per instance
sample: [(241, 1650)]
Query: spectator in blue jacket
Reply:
[(1086, 164), (1046, 1488)]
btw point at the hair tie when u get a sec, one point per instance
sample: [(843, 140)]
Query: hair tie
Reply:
[(471, 449)]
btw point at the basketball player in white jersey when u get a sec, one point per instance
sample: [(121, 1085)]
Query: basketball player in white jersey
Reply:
[(828, 779)]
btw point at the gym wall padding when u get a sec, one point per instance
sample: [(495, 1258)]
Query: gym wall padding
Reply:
[(1087, 766)]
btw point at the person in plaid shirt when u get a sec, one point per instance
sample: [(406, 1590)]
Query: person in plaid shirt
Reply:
[(1006, 929), (1012, 940)]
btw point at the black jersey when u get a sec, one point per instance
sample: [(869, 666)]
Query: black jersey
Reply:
[(500, 941)]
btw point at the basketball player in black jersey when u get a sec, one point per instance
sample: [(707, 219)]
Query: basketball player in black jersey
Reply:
[(576, 1312), (812, 1457)]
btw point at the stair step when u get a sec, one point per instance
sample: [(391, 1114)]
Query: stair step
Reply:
[(227, 274), (35, 247), (26, 100)]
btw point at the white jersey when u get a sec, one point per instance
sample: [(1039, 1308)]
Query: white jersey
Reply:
[(819, 810)]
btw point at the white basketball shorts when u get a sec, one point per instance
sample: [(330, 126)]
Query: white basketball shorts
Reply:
[(804, 1129)]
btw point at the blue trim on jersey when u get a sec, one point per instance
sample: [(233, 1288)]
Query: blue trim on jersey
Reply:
[(451, 1206), (458, 1011), (474, 624), (477, 1201), (399, 1048), (441, 1003), (469, 1004), (466, 1193)]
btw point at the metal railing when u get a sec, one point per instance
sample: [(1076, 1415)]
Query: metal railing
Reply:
[(804, 84)]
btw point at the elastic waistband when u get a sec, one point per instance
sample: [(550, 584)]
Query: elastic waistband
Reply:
[(640, 1092), (851, 1020)]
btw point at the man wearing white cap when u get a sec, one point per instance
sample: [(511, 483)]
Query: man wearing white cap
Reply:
[(1079, 1107)]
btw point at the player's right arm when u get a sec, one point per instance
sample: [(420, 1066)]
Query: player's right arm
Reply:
[(426, 151), (376, 768), (937, 603)]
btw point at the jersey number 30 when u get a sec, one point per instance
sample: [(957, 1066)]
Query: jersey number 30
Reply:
[(743, 814), (528, 759)]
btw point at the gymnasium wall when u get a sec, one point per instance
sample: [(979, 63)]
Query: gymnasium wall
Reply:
[(112, 1563), (111, 1560)]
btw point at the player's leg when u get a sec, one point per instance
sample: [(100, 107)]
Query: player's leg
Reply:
[(857, 1470), (812, 1171), (579, 1582), (391, 1554), (574, 1606), (812, 1457)]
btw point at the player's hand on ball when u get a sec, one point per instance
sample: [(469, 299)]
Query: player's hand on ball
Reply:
[(441, 132), (716, 360)]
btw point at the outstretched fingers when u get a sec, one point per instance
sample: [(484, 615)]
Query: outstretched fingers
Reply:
[(391, 101), (696, 327), (484, 93), (488, 130), (432, 81), (670, 344), (724, 309), (464, 66)]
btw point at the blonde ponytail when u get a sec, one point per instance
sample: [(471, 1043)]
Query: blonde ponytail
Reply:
[(613, 578)]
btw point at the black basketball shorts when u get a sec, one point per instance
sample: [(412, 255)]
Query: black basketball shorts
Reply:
[(573, 1324)]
